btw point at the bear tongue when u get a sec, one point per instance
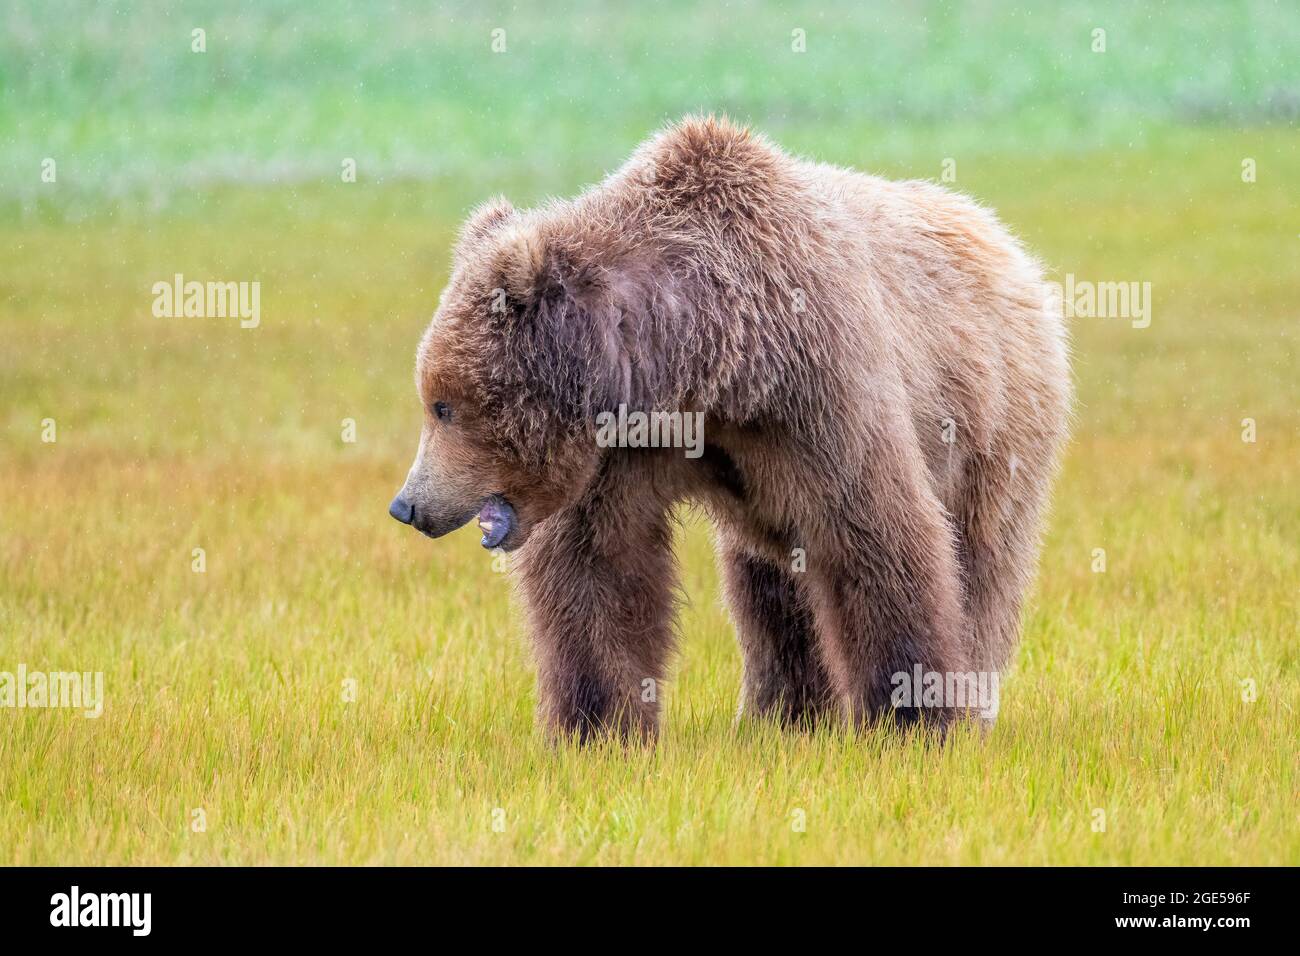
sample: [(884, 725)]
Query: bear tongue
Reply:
[(496, 519)]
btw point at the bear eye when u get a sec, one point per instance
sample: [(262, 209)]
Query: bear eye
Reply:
[(441, 411)]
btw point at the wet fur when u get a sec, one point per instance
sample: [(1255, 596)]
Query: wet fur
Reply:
[(827, 323)]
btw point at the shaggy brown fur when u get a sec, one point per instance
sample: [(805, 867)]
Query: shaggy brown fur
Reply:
[(884, 394)]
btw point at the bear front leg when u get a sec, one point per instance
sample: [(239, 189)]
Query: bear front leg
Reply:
[(888, 599), (783, 677), (598, 579)]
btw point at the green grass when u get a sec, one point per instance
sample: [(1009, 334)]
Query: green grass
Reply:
[(286, 90), (224, 690)]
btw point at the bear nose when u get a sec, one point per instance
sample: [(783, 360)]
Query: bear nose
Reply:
[(402, 510)]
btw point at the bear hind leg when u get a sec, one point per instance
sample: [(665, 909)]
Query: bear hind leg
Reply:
[(783, 675), (998, 519)]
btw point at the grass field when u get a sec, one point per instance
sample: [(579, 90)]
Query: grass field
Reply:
[(335, 689)]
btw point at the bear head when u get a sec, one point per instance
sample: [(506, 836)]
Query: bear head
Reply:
[(530, 341)]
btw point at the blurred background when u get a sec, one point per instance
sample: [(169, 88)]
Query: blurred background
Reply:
[(426, 91), (1124, 142)]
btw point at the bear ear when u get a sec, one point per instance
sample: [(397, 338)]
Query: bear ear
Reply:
[(484, 222), (485, 219), (521, 263)]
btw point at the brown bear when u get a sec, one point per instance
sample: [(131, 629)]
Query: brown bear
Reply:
[(883, 392)]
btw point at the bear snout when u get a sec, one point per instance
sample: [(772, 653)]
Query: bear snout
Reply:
[(430, 519), (402, 510)]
